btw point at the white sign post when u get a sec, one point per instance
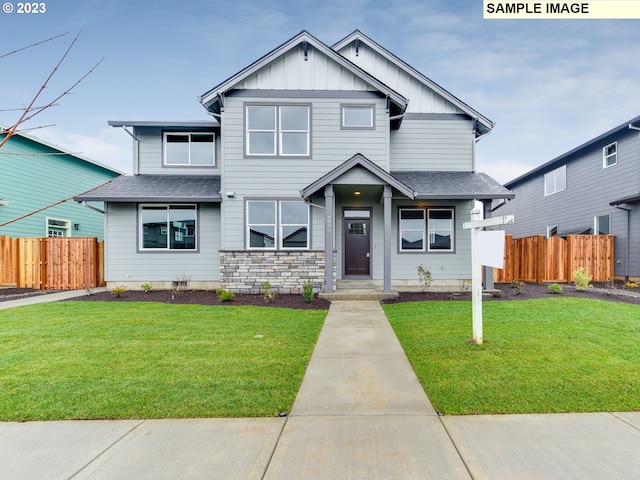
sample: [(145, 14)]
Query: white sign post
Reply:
[(492, 254)]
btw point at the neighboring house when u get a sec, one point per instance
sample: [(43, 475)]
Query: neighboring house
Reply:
[(314, 166), (36, 175), (592, 189)]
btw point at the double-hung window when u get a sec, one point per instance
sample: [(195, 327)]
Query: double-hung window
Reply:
[(602, 225), (168, 227), (189, 149), (430, 229), (274, 224), (555, 181), (610, 155), (278, 130)]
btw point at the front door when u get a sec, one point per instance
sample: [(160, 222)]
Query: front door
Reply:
[(357, 243)]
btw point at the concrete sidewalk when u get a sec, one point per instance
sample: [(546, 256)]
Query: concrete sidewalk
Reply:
[(360, 414)]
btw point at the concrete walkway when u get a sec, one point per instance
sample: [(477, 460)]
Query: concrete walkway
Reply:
[(360, 414)]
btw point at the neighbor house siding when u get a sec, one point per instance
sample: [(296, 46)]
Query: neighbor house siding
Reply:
[(430, 142), (589, 191), (126, 264)]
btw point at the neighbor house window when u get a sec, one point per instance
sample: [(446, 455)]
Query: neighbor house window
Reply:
[(555, 181), (189, 149), (602, 225), (273, 224), (357, 116), (58, 228), (440, 228), (278, 130), (412, 230), (552, 230), (168, 227), (610, 155)]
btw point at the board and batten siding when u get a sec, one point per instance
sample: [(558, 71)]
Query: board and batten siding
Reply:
[(124, 263), (150, 153), (433, 143), (590, 189), (422, 98)]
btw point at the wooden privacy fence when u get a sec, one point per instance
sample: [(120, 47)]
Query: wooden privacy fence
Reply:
[(538, 260), (51, 263)]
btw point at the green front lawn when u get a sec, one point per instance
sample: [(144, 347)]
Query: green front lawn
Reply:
[(550, 355), (150, 360)]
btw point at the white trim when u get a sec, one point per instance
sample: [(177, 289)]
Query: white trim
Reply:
[(65, 228), (560, 170)]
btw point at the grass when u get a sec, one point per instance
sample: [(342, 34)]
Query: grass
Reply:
[(108, 360), (538, 356)]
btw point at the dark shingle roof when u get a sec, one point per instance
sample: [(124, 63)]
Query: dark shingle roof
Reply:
[(453, 185), (157, 188)]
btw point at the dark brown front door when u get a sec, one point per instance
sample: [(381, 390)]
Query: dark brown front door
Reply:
[(357, 245)]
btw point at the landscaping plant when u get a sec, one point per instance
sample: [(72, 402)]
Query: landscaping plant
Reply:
[(582, 278)]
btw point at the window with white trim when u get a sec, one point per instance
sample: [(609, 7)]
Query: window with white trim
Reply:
[(58, 228), (610, 155), (189, 149), (277, 225), (602, 225), (278, 130), (357, 116), (440, 227), (168, 227), (555, 180)]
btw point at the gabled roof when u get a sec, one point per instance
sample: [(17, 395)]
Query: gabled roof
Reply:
[(61, 150), (599, 141), (357, 160), (484, 124), (157, 188), (210, 98)]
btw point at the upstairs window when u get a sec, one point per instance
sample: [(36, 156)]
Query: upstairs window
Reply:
[(58, 228), (610, 155), (273, 130), (555, 181), (357, 116), (189, 149)]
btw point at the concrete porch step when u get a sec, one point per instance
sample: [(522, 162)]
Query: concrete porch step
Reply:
[(358, 290)]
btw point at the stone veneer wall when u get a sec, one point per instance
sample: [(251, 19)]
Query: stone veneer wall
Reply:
[(244, 271)]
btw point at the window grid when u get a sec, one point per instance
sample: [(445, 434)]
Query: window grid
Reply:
[(289, 135), (277, 225), (189, 149), (610, 155), (426, 229), (555, 181)]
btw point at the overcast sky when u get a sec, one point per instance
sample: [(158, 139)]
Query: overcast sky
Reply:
[(549, 85)]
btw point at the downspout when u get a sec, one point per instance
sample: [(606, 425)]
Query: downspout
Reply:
[(628, 244), (136, 147)]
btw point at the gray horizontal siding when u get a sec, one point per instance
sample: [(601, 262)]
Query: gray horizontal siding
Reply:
[(125, 264), (432, 144)]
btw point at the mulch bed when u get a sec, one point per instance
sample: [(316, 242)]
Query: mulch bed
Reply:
[(608, 292)]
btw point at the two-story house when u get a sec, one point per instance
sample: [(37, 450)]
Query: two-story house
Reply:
[(37, 184), (592, 189), (318, 163)]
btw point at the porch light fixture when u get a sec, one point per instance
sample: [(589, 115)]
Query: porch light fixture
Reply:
[(231, 194), (3, 202), (357, 192)]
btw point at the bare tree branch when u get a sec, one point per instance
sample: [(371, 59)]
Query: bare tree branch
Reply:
[(33, 45)]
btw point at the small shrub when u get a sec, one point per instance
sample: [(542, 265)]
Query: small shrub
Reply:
[(630, 285), (225, 295), (146, 287), (307, 291), (118, 291), (267, 294), (518, 286), (582, 278), (424, 277), (555, 288)]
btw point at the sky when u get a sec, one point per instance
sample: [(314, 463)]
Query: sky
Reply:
[(549, 85)]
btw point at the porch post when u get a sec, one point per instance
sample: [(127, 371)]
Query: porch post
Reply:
[(329, 207), (387, 238)]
